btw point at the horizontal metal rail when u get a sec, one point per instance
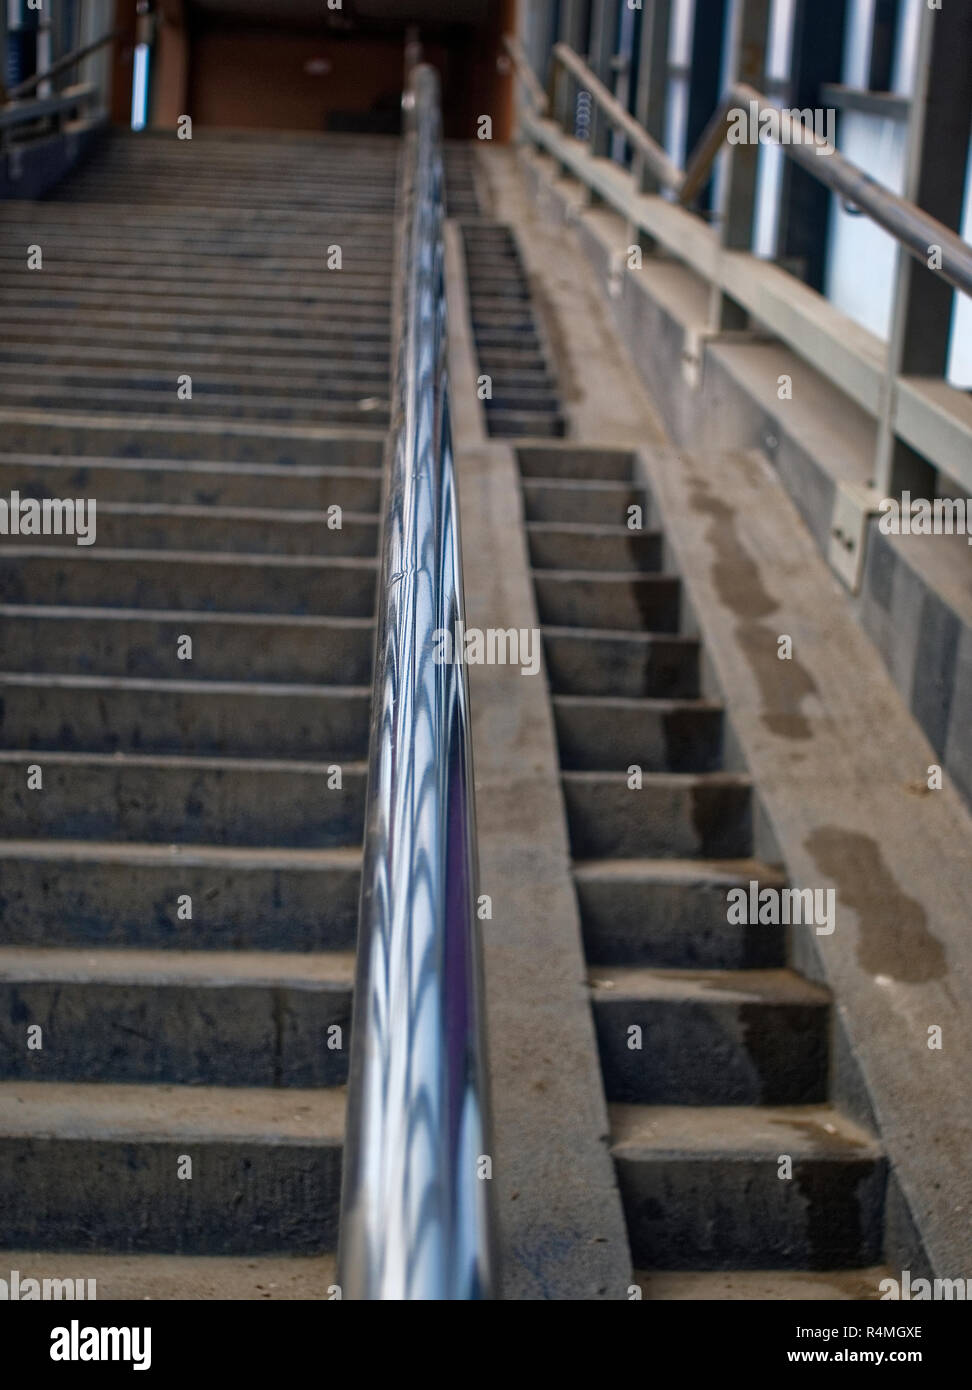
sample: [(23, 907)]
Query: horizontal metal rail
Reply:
[(917, 231), (30, 84), (22, 113), (415, 1221)]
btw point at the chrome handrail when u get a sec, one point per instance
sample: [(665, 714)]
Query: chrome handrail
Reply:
[(415, 1208)]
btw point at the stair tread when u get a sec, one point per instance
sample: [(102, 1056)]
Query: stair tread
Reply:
[(677, 779), (736, 1132), (186, 856), (640, 702), (183, 1277), (675, 871), (257, 689), (761, 1285), (162, 760), (149, 968), (186, 557), (614, 634), (52, 610), (737, 987), (126, 1112)]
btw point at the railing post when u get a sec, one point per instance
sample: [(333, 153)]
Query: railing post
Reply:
[(938, 134), (736, 180), (603, 29)]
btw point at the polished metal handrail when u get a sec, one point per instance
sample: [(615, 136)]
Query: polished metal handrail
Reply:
[(415, 1208), (913, 228)]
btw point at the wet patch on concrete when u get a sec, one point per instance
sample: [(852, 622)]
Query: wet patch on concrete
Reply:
[(783, 685), (893, 935)]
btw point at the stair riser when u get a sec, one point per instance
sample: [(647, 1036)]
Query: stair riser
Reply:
[(660, 669), (667, 925), (203, 722), (65, 643), (147, 484), (166, 403), (243, 1198), (713, 1213), (661, 821), (712, 1053), (175, 1034), (638, 551), (581, 465), (185, 440), (505, 425), (208, 534), (583, 506), (593, 738), (71, 902), (650, 603), (244, 586), (182, 804)]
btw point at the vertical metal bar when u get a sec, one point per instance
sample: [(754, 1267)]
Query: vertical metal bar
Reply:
[(941, 113), (748, 30)]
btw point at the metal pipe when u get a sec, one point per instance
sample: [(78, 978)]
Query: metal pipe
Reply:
[(521, 66), (917, 231), (415, 1222), (666, 171), (62, 64)]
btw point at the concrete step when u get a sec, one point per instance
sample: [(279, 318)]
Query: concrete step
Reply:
[(226, 1018), (710, 1037), (240, 530), (266, 1168), (189, 801), (93, 894), (23, 348), (673, 913), (139, 1278), (760, 1285), (206, 385), (581, 598), (569, 501), (199, 445), (518, 424), (519, 399), (90, 297), (113, 341), (702, 1191), (609, 734), (225, 647), (367, 408), (629, 665), (672, 816), (89, 577), (213, 719), (172, 483), (582, 465), (342, 330)]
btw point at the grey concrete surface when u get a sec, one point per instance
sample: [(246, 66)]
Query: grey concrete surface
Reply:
[(840, 765), (561, 1231)]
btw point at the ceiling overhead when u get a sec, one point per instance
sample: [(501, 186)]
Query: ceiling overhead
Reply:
[(315, 12)]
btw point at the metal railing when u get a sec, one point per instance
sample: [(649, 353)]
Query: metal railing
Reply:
[(415, 1221), (18, 108), (924, 413), (914, 229)]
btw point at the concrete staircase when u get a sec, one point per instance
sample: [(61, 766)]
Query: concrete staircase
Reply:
[(178, 895), (524, 398), (727, 1069), (214, 259)]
